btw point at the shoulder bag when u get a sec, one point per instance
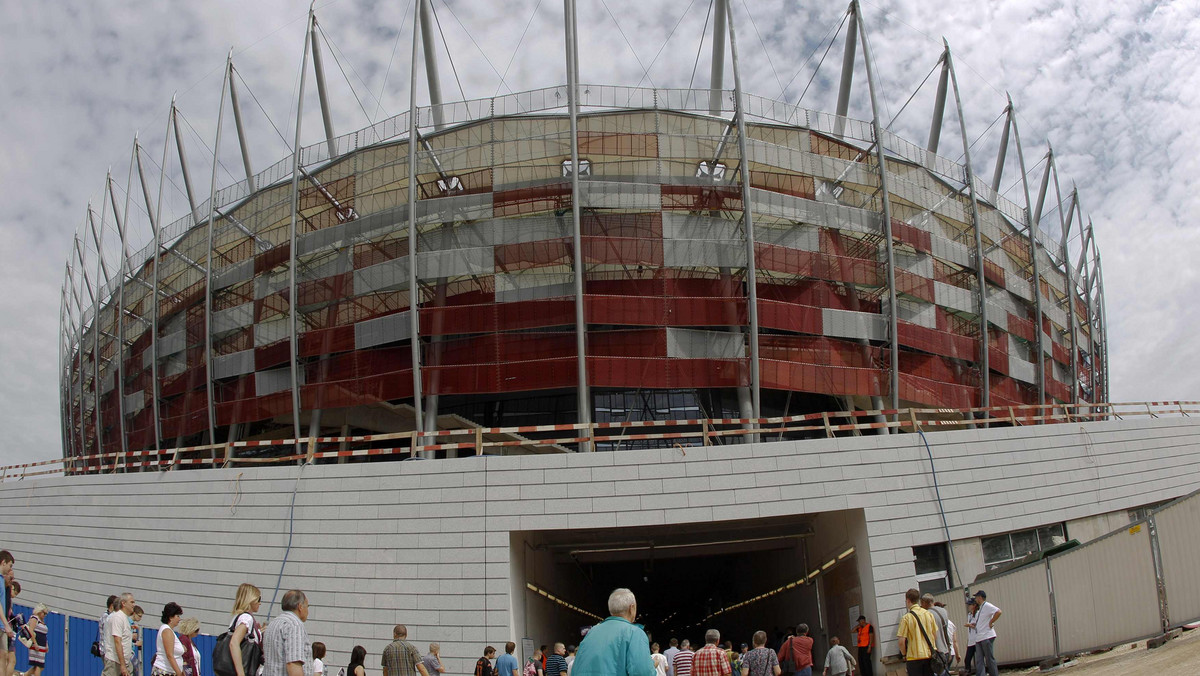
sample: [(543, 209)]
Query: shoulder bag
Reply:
[(937, 660), (787, 665), (222, 660)]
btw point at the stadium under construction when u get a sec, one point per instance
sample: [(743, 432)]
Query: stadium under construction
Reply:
[(609, 325)]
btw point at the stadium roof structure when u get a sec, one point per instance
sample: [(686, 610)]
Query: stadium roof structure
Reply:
[(579, 245)]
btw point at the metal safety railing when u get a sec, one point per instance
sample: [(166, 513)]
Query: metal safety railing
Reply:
[(698, 431)]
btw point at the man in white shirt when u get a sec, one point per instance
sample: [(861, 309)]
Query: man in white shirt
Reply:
[(118, 636), (985, 635)]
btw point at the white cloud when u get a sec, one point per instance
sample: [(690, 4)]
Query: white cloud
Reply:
[(1114, 85)]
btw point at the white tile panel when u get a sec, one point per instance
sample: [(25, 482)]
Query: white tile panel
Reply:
[(704, 253), (847, 324), (511, 287), (1021, 370), (949, 250), (385, 276), (274, 380), (266, 333), (432, 265), (135, 401), (695, 344), (948, 295), (382, 330), (236, 364), (171, 343), (233, 318)]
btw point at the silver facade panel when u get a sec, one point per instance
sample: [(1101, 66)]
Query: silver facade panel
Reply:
[(953, 297), (386, 276), (381, 330), (456, 263), (242, 271), (831, 214), (270, 283), (916, 312), (704, 253), (847, 324), (917, 263), (679, 226), (619, 195), (236, 364), (1024, 371), (274, 380), (135, 402), (799, 236), (237, 317), (696, 344), (949, 250), (172, 343), (533, 286), (267, 333)]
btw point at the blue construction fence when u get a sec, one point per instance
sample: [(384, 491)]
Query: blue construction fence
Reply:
[(70, 647)]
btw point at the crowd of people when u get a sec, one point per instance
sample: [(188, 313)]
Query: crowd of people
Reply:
[(929, 639), (928, 642), (281, 648), (31, 632), (617, 647)]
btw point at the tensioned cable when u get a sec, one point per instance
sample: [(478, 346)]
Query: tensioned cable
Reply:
[(333, 50), (882, 94), (264, 110), (388, 71), (645, 71), (479, 49), (762, 43), (664, 44), (979, 138), (820, 63), (700, 47), (1027, 173), (449, 57), (834, 30), (913, 95), (517, 48), (200, 140)]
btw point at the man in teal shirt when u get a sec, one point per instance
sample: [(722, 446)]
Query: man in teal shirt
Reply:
[(616, 646)]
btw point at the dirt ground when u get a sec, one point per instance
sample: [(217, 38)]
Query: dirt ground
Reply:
[(1180, 657)]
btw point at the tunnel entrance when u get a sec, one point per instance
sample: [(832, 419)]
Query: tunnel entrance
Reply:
[(734, 576)]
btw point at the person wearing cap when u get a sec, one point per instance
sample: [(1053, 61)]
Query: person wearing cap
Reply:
[(985, 635), (864, 640)]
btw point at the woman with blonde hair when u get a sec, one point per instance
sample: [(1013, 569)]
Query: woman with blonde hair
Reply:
[(39, 646), (189, 628), (245, 627)]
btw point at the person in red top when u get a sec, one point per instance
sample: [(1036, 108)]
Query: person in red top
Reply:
[(798, 648), (711, 660)]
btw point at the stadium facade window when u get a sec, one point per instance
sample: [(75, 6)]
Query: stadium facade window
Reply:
[(1001, 549)]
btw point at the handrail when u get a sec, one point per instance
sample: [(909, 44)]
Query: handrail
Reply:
[(704, 430)]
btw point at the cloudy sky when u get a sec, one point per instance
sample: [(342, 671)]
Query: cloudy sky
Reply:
[(1114, 86)]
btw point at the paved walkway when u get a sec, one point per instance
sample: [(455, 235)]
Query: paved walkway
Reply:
[(1180, 657)]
